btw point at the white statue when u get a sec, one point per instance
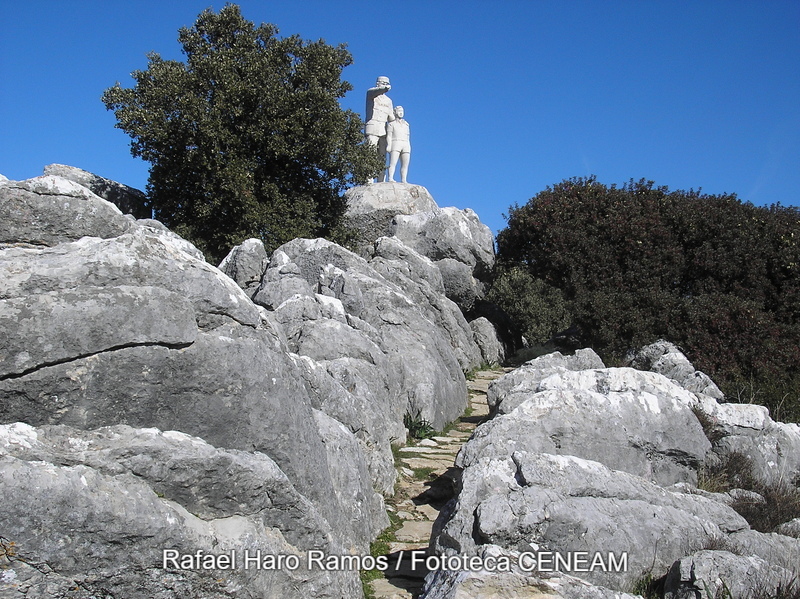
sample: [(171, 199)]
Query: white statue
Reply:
[(398, 144), (379, 113)]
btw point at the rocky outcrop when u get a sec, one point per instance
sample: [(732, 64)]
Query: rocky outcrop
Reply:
[(94, 512), (460, 246), (629, 420), (771, 448), (508, 392), (665, 358), (246, 264), (517, 581), (585, 460), (722, 573), (334, 306), (371, 208), (543, 502), (117, 330), (485, 335), (49, 210), (127, 199)]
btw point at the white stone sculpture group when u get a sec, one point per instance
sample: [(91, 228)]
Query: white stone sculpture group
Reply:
[(387, 130)]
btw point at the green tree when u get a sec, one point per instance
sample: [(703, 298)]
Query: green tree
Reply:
[(245, 138)]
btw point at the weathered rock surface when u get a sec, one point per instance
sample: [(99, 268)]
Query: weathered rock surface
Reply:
[(448, 233), (374, 321), (92, 511), (127, 199), (246, 264), (721, 573), (114, 322), (513, 584), (629, 420), (508, 392), (537, 501), (461, 247), (665, 358), (49, 210), (773, 448), (580, 458), (485, 335), (416, 276)]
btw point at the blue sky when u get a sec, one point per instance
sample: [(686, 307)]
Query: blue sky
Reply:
[(504, 98)]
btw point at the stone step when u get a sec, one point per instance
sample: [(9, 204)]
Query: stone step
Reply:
[(417, 502)]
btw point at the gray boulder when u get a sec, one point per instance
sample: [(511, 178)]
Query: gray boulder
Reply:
[(46, 211), (486, 582), (127, 199), (532, 502), (507, 392), (98, 508), (421, 280), (246, 264), (790, 528), (371, 208), (360, 504), (485, 335), (723, 574), (459, 284), (638, 422), (773, 448), (448, 233), (424, 371), (665, 358), (131, 326)]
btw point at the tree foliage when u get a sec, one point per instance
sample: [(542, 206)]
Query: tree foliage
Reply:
[(719, 277), (246, 137)]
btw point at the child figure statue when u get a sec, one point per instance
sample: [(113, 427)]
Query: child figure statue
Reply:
[(398, 144)]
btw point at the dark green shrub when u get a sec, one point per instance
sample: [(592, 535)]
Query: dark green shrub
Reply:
[(538, 308), (632, 264)]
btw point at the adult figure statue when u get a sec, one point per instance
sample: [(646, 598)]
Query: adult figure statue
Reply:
[(379, 113), (398, 144)]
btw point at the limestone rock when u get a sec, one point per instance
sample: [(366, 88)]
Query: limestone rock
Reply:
[(97, 508), (421, 280), (507, 392), (127, 199), (639, 422), (790, 529), (424, 371), (246, 264), (448, 233), (398, 198), (718, 573), (459, 284), (535, 501), (371, 208), (46, 211), (486, 583), (665, 358), (485, 335), (361, 506)]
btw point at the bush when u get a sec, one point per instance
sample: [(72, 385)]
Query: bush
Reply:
[(632, 264), (538, 308)]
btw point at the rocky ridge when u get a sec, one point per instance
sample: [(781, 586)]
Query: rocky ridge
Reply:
[(581, 459), (151, 401), (250, 413)]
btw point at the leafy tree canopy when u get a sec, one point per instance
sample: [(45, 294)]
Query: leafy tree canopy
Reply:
[(245, 138), (718, 277)]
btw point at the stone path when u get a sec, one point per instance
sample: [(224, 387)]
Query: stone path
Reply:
[(425, 485)]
